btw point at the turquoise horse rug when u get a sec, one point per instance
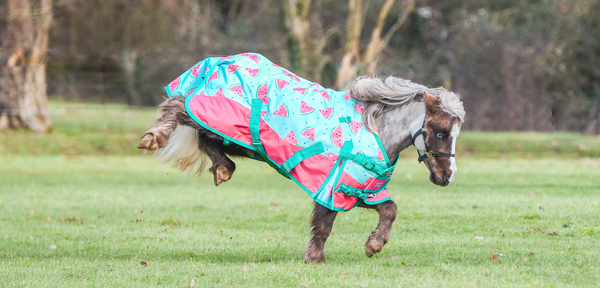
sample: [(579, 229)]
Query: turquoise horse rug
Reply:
[(312, 135)]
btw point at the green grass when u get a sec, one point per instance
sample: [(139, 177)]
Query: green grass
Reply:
[(106, 214), (83, 129), (80, 207)]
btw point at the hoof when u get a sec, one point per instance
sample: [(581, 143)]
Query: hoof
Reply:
[(312, 255), (374, 245), (222, 174), (153, 141), (148, 142)]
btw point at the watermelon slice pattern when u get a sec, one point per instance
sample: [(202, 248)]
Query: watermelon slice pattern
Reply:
[(326, 112), (379, 154), (252, 57), (281, 111), (336, 137), (291, 75), (302, 98), (309, 132), (324, 94), (253, 71), (195, 70), (237, 90), (263, 93), (232, 68), (359, 108), (300, 90), (219, 93), (291, 137), (355, 126), (282, 83), (213, 76), (305, 108), (174, 84), (191, 92)]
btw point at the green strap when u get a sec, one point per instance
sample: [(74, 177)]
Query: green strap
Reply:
[(299, 156), (346, 119), (355, 192), (290, 163), (254, 126), (362, 160)]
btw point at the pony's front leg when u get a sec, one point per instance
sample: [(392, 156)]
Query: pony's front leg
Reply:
[(321, 222), (387, 214)]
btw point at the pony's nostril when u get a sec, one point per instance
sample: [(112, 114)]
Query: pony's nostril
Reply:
[(447, 179)]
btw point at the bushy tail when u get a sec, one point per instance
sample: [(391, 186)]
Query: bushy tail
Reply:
[(182, 149)]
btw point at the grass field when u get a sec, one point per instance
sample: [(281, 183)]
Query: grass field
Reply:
[(86, 210)]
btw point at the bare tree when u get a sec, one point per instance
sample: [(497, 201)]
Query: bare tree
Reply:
[(23, 80), (354, 62), (307, 42)]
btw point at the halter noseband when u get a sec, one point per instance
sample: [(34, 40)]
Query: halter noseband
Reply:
[(428, 153)]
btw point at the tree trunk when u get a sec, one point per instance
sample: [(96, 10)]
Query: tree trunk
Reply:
[(23, 81), (353, 62), (306, 47), (128, 61)]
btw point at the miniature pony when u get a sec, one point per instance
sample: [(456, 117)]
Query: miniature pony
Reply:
[(244, 105)]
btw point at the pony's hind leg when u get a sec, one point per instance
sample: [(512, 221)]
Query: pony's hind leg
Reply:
[(387, 214), (321, 222), (222, 167), (172, 113)]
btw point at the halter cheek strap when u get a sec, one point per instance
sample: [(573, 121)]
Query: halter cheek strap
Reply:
[(427, 153)]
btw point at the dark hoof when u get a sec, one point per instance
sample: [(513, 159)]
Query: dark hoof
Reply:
[(374, 245), (312, 255)]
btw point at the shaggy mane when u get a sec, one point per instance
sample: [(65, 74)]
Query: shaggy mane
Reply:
[(379, 92)]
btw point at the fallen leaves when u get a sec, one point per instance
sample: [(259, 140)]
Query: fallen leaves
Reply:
[(494, 258), (72, 219), (540, 230), (144, 263), (342, 275)]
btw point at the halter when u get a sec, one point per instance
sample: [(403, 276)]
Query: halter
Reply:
[(428, 153)]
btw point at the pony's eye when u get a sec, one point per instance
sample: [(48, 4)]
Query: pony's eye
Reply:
[(440, 135)]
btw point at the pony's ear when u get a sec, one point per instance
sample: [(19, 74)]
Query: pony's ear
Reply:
[(432, 103)]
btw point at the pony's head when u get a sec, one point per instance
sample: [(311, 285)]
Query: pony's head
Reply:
[(444, 115), (434, 137)]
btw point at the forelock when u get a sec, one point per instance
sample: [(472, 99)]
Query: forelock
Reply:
[(452, 104)]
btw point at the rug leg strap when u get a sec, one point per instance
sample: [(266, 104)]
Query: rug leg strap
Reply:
[(254, 126)]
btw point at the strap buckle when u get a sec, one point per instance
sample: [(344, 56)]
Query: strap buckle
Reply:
[(369, 166)]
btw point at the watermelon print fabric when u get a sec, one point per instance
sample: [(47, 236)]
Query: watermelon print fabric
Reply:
[(313, 135)]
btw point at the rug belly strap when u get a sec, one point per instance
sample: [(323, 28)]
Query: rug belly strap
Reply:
[(299, 156)]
